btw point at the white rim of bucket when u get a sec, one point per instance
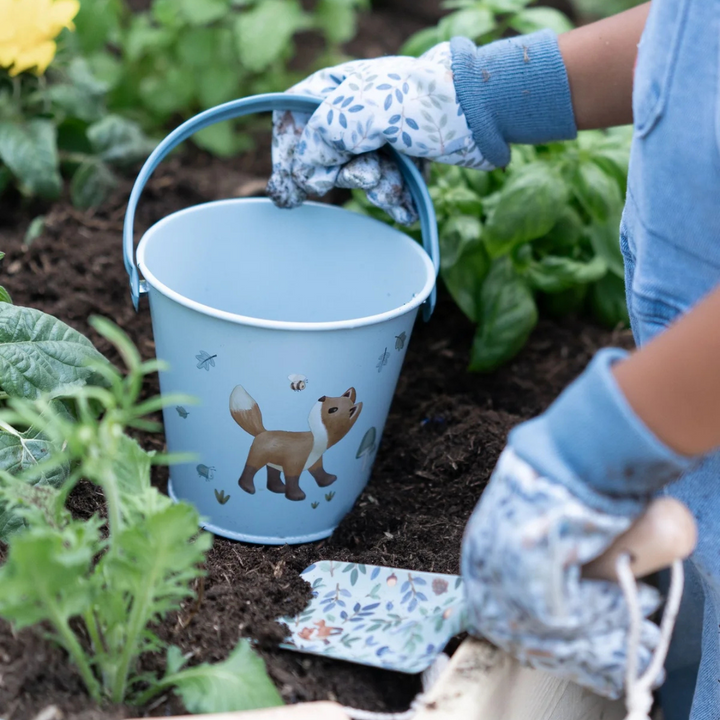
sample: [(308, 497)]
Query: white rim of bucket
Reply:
[(281, 324)]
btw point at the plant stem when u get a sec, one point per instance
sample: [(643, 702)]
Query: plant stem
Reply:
[(74, 649), (136, 624)]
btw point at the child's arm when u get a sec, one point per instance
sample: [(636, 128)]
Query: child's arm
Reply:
[(600, 59), (673, 383)]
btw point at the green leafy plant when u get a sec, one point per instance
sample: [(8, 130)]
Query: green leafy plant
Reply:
[(99, 584), (57, 124), (541, 235), (485, 20), (182, 56)]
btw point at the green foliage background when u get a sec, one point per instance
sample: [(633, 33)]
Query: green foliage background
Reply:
[(539, 237)]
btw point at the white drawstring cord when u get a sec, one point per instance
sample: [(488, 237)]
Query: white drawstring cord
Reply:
[(638, 690)]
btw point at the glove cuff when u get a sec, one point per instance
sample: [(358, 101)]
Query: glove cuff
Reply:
[(513, 91), (591, 440)]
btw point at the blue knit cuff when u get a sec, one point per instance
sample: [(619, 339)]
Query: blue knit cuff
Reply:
[(591, 440), (513, 91)]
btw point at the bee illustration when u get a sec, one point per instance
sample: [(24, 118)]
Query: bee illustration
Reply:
[(298, 382)]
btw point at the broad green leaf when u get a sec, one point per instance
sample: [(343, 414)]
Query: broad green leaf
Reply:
[(472, 22), (337, 19), (203, 12), (420, 42), (464, 280), (539, 18), (456, 236), (565, 302), (262, 34), (608, 303), (526, 208), (30, 151), (5, 295), (98, 23), (239, 683), (565, 234), (220, 139), (507, 315), (39, 353), (167, 12), (165, 93), (477, 180), (222, 87), (91, 184), (119, 141), (553, 274), (604, 238), (23, 451), (596, 191), (143, 38), (83, 96)]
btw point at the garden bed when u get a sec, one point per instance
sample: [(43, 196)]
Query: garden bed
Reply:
[(443, 436), (444, 433)]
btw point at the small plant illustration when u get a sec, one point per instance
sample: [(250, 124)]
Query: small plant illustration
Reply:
[(315, 505), (182, 412), (367, 446), (329, 496), (400, 341), (221, 497), (206, 360), (383, 360), (206, 472)]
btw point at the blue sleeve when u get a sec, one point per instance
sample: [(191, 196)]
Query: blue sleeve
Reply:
[(513, 91), (591, 440)]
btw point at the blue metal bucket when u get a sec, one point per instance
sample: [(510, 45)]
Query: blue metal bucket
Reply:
[(290, 327)]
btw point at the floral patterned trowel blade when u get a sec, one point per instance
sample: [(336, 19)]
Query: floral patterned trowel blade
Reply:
[(385, 617)]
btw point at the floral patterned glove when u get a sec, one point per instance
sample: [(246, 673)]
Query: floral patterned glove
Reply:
[(570, 481), (408, 103), (523, 552)]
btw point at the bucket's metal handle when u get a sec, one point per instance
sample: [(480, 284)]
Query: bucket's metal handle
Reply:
[(248, 106)]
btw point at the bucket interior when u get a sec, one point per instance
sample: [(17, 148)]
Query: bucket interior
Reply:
[(314, 264)]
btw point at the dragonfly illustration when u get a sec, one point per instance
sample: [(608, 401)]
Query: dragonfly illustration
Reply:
[(383, 360), (206, 360)]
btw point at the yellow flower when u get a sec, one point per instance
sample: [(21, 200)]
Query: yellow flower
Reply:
[(28, 29)]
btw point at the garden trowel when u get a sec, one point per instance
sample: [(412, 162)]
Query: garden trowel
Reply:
[(402, 619)]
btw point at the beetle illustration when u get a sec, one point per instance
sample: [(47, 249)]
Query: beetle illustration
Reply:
[(206, 472)]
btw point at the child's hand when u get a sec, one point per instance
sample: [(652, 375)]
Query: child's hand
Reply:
[(524, 547), (408, 103), (570, 482)]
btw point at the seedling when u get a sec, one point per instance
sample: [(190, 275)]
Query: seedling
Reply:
[(315, 505), (100, 585), (221, 497), (329, 496)]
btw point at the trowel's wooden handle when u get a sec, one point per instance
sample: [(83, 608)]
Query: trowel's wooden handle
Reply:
[(665, 532)]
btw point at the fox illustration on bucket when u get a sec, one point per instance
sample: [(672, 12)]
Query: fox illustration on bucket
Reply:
[(291, 453)]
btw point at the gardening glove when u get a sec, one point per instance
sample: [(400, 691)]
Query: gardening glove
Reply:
[(456, 104), (566, 486)]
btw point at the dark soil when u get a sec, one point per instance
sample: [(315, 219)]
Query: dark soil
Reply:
[(445, 431)]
